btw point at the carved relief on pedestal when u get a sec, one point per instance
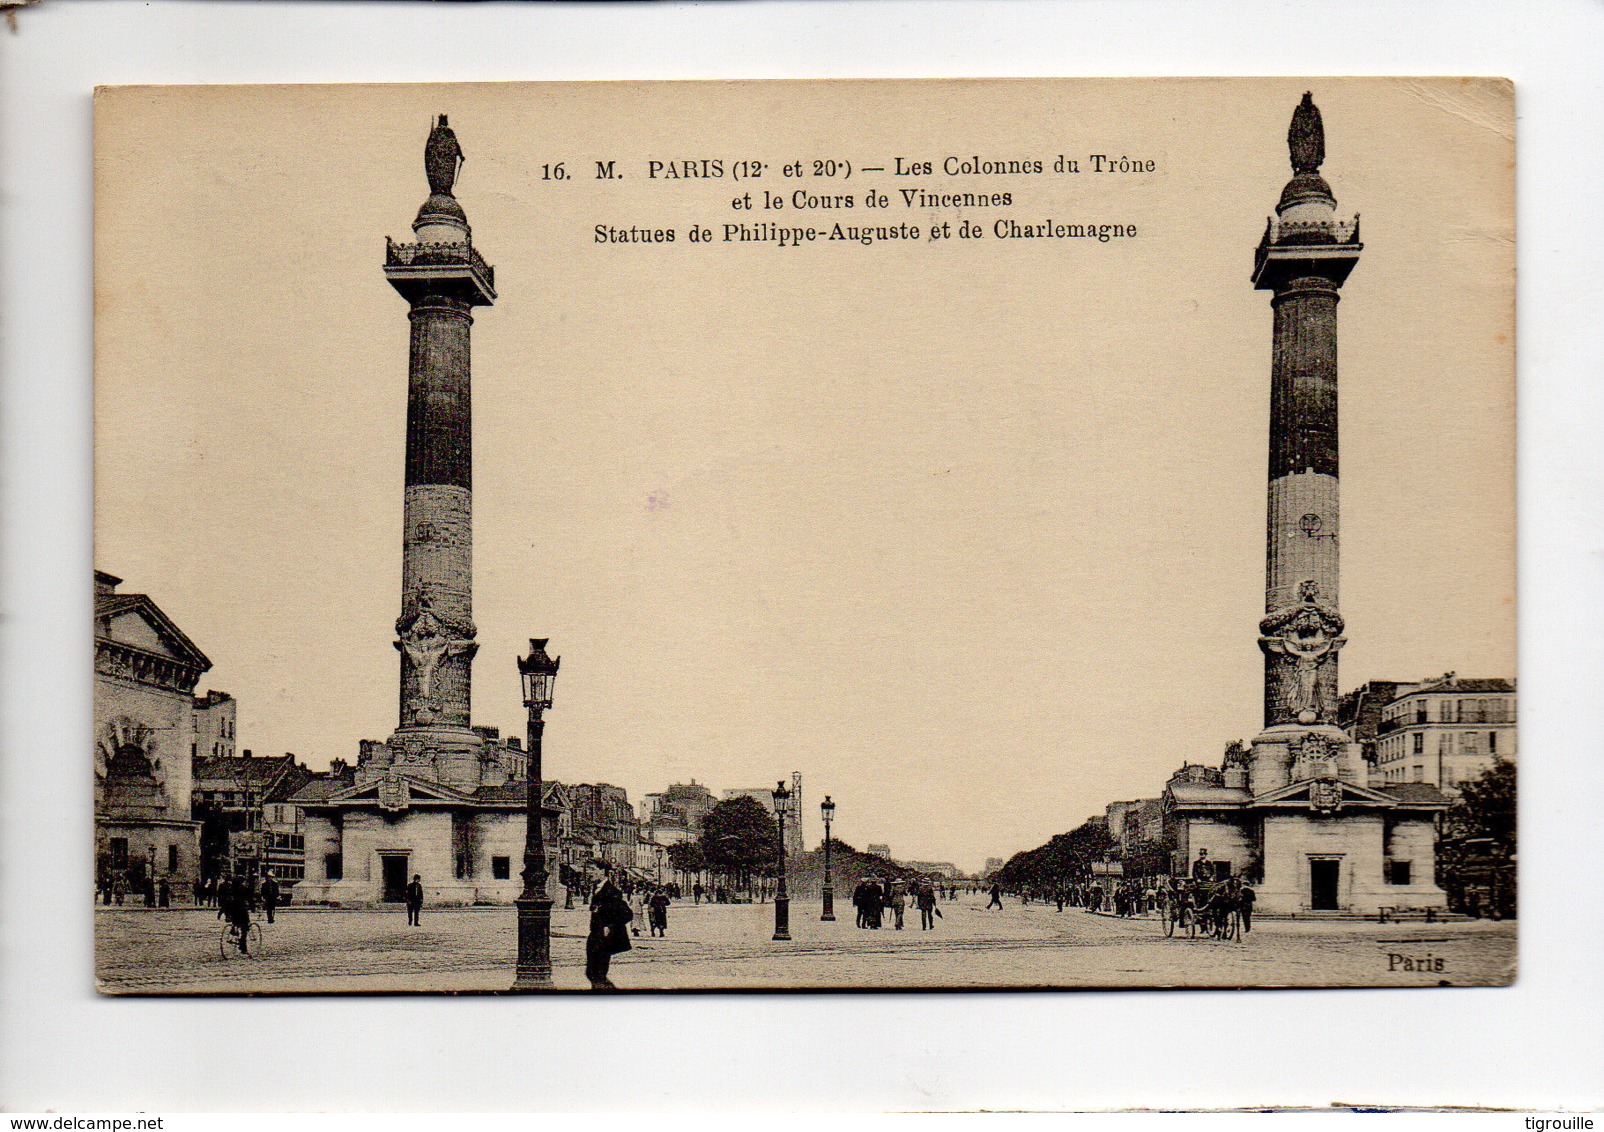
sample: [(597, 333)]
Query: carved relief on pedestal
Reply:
[(1301, 642), (428, 643), (1315, 757)]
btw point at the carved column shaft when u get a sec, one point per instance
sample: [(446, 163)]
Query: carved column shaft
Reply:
[(436, 623), (1301, 544)]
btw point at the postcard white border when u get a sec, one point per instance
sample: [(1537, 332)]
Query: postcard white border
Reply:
[(1539, 1044)]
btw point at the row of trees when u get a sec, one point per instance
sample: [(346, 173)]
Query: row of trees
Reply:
[(740, 842), (1476, 852), (1065, 858)]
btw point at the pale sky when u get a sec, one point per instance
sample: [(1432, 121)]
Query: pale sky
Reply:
[(969, 533)]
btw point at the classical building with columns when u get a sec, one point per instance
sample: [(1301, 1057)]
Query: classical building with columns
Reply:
[(146, 669), (1295, 809)]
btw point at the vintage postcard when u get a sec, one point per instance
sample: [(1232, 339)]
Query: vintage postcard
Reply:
[(798, 535)]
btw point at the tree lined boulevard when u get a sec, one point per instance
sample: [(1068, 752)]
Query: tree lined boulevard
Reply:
[(728, 946)]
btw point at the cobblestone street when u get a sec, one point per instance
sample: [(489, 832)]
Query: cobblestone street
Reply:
[(729, 946)]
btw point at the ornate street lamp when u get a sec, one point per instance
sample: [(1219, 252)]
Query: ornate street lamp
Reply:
[(827, 808), (539, 673), (782, 900)]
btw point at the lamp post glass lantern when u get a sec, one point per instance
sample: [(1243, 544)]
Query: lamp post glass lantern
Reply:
[(538, 672), (827, 808), (782, 899)]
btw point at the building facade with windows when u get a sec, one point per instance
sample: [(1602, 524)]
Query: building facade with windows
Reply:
[(1444, 732), (250, 826), (215, 718)]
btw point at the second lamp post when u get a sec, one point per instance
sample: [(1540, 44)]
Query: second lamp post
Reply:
[(782, 899), (827, 808)]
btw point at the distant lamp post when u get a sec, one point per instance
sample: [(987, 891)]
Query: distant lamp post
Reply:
[(782, 900), (827, 808), (539, 673)]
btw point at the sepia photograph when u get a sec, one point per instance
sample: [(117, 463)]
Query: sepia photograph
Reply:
[(804, 535)]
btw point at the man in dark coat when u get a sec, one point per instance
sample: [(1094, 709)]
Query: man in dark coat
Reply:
[(415, 901), (269, 896), (874, 902), (610, 917), (657, 907)]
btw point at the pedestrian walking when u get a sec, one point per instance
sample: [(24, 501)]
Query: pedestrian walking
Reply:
[(926, 899), (414, 899), (859, 903), (637, 910), (879, 902), (658, 908), (1244, 906), (609, 916), (270, 896), (164, 894), (898, 900), (696, 893), (996, 898)]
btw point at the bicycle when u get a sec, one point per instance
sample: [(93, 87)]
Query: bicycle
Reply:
[(228, 941)]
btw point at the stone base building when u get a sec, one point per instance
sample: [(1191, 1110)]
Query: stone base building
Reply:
[(1310, 837), (370, 829)]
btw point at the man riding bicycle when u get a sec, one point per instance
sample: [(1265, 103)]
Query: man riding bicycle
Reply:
[(237, 910)]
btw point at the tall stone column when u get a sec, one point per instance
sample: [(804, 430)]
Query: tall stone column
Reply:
[(443, 278), (1303, 259)]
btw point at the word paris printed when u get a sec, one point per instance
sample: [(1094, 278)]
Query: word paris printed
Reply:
[(865, 481)]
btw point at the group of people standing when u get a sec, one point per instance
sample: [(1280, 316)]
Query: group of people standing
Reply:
[(875, 896), (117, 888)]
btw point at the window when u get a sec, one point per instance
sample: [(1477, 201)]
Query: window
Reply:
[(1446, 711), (1398, 872), (501, 868), (1471, 743), (119, 852), (1492, 742), (1420, 742), (1419, 773), (333, 866), (1420, 711), (172, 858)]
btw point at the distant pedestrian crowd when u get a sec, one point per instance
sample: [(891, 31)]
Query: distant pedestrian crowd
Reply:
[(876, 897)]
